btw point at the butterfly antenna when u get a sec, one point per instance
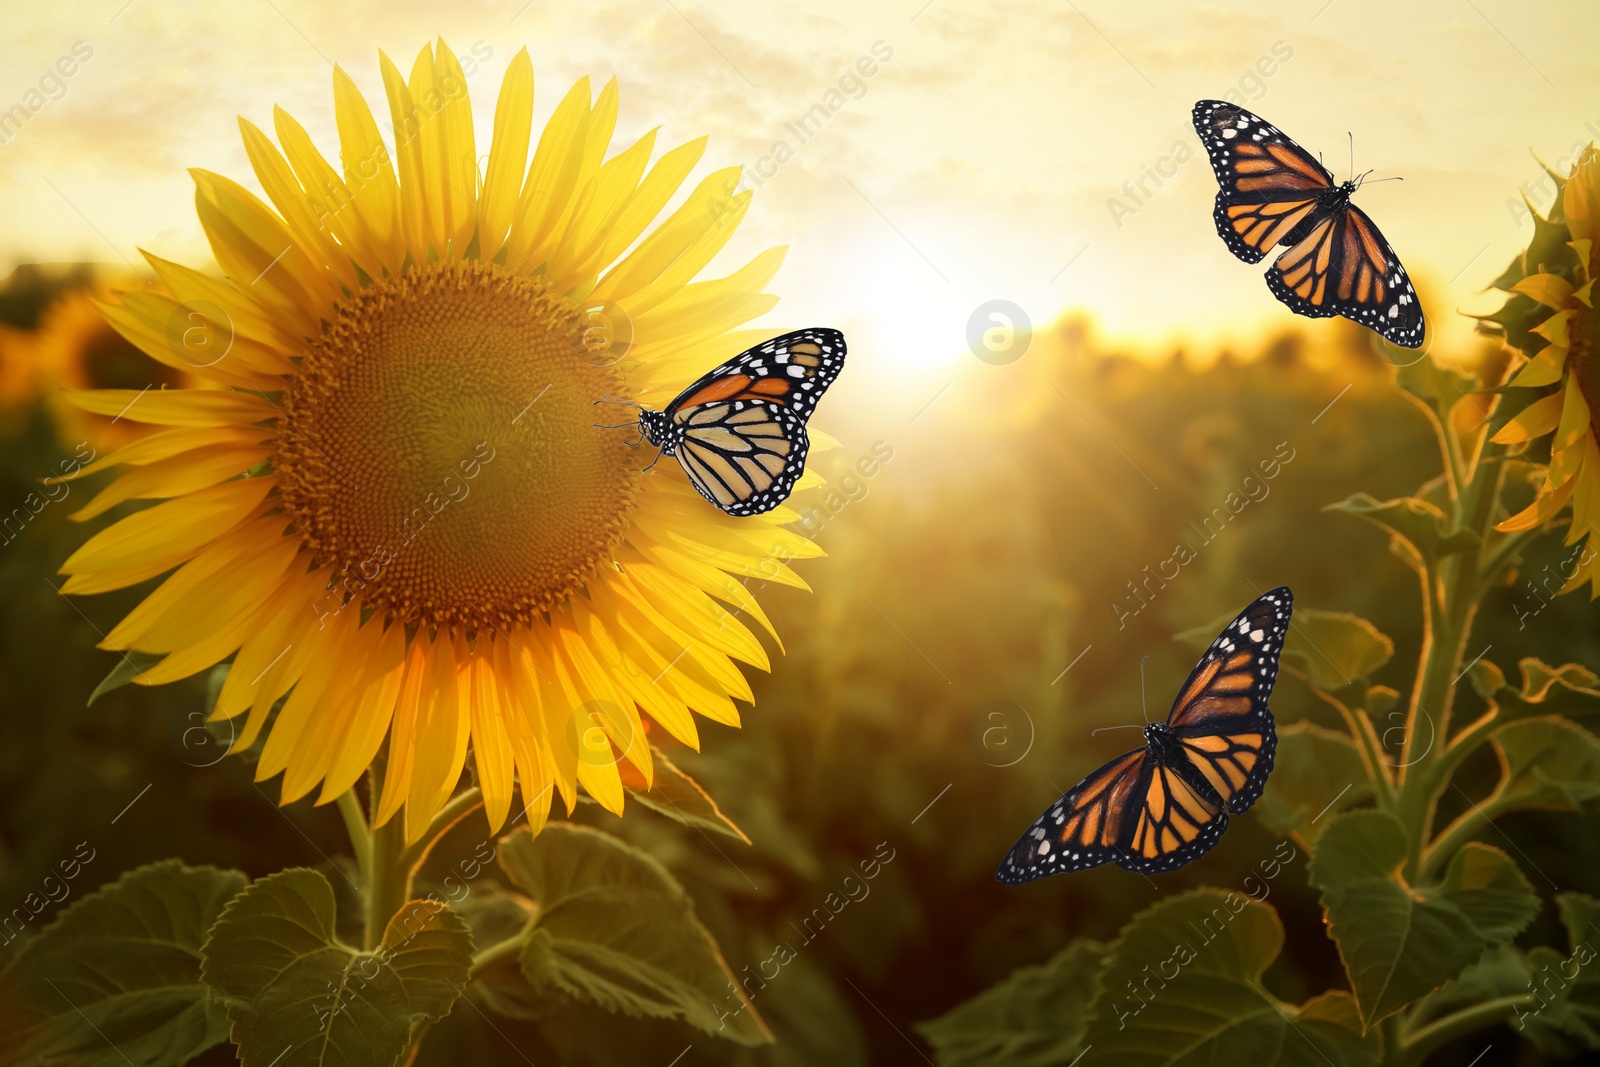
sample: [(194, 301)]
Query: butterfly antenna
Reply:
[(1143, 707), (1126, 726), (1352, 137)]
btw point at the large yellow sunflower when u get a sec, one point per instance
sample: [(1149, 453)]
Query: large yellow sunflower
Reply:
[(392, 506), (1571, 362)]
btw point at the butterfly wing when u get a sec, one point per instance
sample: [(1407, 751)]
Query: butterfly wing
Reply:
[(1085, 828), (1344, 266), (1220, 717), (1132, 811), (1269, 184), (1173, 825), (742, 427)]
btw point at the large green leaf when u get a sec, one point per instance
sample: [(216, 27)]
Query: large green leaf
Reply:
[(681, 798), (616, 929), (297, 997), (1485, 884), (116, 979), (1418, 530), (1035, 1018), (1547, 762), (1182, 988), (1317, 773), (1398, 943), (1334, 648)]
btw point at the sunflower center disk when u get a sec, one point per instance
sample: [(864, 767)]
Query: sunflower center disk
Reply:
[(440, 453)]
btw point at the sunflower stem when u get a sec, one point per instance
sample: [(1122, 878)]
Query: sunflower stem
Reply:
[(355, 824), (389, 885)]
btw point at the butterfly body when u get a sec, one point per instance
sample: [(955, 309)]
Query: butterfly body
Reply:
[(1273, 192), (1159, 807), (739, 432)]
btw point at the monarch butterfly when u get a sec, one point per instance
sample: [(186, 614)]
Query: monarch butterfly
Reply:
[(1157, 808), (1274, 193), (740, 431)]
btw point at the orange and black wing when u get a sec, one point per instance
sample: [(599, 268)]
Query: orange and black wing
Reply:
[(1220, 719), (1270, 186), (1344, 266), (1133, 812), (741, 430)]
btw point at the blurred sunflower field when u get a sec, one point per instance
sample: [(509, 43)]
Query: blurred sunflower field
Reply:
[(563, 766)]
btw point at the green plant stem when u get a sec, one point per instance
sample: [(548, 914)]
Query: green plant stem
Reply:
[(389, 885), (455, 809), (510, 947), (1415, 1046), (1463, 829), (355, 824), (1450, 603)]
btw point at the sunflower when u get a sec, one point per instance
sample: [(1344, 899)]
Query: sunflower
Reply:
[(1562, 347), (75, 349), (392, 507)]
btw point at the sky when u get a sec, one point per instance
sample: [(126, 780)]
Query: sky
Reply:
[(1038, 154)]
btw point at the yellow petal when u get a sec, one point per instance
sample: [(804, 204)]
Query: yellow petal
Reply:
[(646, 203), (283, 189), (1551, 290), (1542, 510), (552, 178), (491, 743), (368, 175), (1574, 416), (1543, 369), (174, 407), (459, 155), (168, 533), (508, 153), (406, 120), (372, 717), (258, 253), (1535, 420)]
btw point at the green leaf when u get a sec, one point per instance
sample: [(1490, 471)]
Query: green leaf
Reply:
[(616, 929), (1546, 762), (297, 996), (1035, 1018), (1564, 1016), (1570, 688), (129, 667), (1501, 971), (1485, 884), (1398, 943), (1182, 988), (116, 979), (1580, 914), (1419, 532), (681, 798), (1334, 648), (1318, 773), (1440, 387)]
